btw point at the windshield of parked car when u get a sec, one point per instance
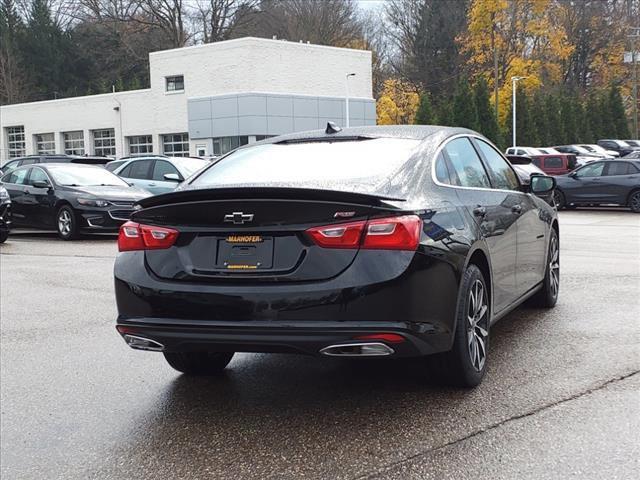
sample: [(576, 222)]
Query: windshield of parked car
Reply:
[(83, 176), (357, 165), (189, 166)]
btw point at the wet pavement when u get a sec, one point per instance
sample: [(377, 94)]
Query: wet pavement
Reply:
[(560, 400)]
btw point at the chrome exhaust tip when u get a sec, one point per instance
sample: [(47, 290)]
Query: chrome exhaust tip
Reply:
[(374, 349), (141, 343)]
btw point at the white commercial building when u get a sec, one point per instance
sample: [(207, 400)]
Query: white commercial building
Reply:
[(203, 100)]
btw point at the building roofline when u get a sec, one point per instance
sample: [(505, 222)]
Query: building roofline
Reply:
[(81, 97), (277, 94), (233, 41)]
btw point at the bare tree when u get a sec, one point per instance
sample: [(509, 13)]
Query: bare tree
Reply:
[(220, 19)]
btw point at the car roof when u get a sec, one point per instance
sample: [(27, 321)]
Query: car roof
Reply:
[(416, 132)]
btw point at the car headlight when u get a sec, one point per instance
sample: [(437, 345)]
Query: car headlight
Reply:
[(92, 202), (4, 195)]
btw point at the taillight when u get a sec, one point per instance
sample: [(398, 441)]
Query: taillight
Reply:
[(393, 233), (135, 236), (343, 235)]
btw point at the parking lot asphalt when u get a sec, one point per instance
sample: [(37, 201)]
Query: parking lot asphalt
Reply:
[(560, 400)]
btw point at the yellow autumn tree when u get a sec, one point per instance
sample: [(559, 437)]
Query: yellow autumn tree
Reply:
[(397, 103), (526, 38)]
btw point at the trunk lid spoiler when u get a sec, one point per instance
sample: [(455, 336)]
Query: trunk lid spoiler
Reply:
[(196, 195)]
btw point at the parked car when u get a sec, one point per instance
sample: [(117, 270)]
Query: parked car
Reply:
[(598, 149), (555, 164), (69, 198), (633, 143), (623, 148), (610, 182), (5, 214), (352, 252), (159, 174), (31, 159), (548, 151), (583, 156), (523, 151)]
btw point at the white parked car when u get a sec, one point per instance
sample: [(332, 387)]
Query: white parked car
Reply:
[(599, 150), (523, 151)]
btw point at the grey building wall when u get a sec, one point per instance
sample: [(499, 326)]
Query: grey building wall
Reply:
[(271, 114)]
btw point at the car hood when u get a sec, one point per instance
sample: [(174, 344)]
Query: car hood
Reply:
[(112, 192)]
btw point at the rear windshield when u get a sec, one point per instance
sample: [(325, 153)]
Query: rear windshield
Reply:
[(360, 165)]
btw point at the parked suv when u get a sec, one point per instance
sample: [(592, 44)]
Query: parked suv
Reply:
[(620, 146), (557, 164)]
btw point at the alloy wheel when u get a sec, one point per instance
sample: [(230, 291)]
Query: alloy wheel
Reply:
[(478, 325), (635, 202), (64, 222), (554, 266)]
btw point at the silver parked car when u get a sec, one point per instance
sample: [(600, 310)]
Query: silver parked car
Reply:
[(157, 174)]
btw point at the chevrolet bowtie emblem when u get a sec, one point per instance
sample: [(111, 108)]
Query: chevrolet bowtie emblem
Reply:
[(238, 218)]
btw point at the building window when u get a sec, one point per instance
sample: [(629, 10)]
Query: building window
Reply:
[(104, 142), (140, 145), (73, 143), (15, 141), (263, 137), (175, 83), (223, 145), (45, 144), (176, 144)]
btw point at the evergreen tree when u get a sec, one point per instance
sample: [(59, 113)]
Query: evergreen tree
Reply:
[(555, 127), (444, 113), (424, 114), (464, 108), (568, 119), (541, 137), (620, 122), (593, 118), (487, 123), (583, 131), (608, 126)]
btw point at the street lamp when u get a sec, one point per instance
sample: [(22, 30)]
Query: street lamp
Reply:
[(514, 80), (347, 98)]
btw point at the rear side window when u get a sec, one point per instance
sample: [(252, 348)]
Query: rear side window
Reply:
[(17, 176), (553, 162), (620, 168), (442, 172), (467, 167), (27, 161), (138, 169), (161, 168), (502, 175)]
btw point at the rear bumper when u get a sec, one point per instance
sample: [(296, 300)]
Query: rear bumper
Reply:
[(281, 337), (412, 295)]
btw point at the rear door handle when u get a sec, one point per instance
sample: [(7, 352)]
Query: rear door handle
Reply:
[(151, 184), (517, 209), (480, 211)]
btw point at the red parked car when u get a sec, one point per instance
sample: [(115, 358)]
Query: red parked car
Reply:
[(556, 163)]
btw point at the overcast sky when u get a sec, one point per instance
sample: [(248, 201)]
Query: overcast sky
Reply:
[(371, 4)]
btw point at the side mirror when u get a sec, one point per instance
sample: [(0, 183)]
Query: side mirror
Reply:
[(573, 174), (541, 185), (172, 177), (41, 184)]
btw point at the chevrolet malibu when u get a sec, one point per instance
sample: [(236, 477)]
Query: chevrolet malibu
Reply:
[(364, 242)]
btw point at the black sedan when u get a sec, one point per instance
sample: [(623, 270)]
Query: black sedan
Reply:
[(70, 198), (607, 182), (365, 242)]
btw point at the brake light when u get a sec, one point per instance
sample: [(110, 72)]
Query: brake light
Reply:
[(393, 233), (135, 236)]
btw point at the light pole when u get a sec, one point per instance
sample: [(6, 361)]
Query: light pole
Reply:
[(514, 81), (346, 123), (633, 37)]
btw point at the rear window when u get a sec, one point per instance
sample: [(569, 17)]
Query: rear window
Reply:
[(553, 162), (358, 165)]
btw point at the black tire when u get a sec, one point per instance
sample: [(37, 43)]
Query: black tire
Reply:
[(66, 223), (547, 297), (634, 201), (198, 363), (460, 367), (559, 198), (3, 236)]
